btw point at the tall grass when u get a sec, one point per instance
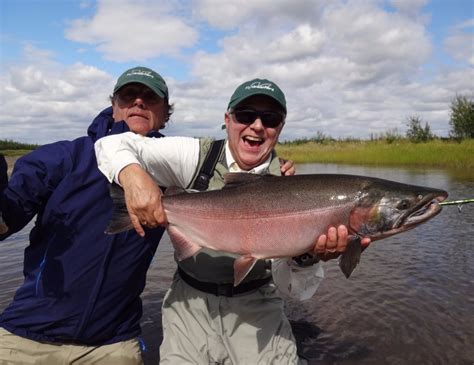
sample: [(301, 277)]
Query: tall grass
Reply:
[(436, 153)]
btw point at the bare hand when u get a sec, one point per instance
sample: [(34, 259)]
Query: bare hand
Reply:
[(333, 244), (287, 167), (143, 198)]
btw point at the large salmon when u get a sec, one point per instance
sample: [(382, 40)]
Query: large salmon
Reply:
[(264, 216)]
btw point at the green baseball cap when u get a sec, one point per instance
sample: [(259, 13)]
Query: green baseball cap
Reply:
[(257, 87), (145, 76)]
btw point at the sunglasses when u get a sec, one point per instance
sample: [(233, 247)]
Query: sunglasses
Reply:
[(129, 94), (269, 119)]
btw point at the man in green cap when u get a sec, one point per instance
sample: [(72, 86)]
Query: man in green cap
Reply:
[(206, 320), (80, 299)]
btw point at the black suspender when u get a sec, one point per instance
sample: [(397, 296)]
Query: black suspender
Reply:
[(207, 169)]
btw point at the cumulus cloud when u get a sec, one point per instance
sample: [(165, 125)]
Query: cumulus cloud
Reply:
[(322, 57), (408, 7), (133, 30), (460, 42), (348, 68), (262, 13), (43, 101)]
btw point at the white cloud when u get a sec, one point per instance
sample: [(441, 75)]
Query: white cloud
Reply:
[(408, 7), (460, 42), (261, 13), (348, 68), (43, 101), (133, 30)]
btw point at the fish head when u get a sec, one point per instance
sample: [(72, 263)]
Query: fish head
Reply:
[(386, 208)]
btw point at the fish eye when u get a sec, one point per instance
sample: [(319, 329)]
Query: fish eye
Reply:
[(403, 205)]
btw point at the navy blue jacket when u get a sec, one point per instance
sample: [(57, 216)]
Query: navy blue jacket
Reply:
[(81, 285)]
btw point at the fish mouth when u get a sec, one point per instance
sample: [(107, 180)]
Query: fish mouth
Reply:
[(423, 213), (426, 209)]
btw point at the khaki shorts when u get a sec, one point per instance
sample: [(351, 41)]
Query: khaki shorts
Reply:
[(18, 350)]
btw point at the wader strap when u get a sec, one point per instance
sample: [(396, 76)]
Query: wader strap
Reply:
[(207, 169), (226, 290)]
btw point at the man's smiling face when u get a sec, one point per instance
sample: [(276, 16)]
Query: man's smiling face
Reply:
[(251, 144)]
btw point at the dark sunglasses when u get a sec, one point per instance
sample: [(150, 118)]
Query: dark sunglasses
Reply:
[(269, 119), (129, 94)]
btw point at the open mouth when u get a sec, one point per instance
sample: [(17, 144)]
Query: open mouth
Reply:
[(252, 141)]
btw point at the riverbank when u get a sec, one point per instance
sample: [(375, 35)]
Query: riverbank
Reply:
[(449, 155)]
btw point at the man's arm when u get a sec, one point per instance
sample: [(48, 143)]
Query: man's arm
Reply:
[(171, 161), (140, 165)]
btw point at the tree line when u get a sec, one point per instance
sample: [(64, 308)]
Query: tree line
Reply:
[(461, 123)]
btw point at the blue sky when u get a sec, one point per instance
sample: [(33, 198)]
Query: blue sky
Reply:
[(348, 68)]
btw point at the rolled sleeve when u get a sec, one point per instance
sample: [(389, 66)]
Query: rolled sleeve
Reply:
[(112, 157)]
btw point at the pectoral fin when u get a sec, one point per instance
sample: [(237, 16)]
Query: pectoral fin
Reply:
[(242, 266), (351, 257)]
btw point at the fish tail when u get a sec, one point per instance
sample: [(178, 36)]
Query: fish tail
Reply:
[(351, 257), (120, 220)]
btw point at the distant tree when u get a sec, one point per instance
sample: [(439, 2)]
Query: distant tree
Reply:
[(416, 133), (320, 137), (462, 117), (392, 135)]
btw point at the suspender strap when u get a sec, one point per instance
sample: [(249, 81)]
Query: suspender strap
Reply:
[(207, 169)]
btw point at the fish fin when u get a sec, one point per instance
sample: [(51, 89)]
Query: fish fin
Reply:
[(120, 221), (351, 256), (233, 179), (183, 247), (242, 266)]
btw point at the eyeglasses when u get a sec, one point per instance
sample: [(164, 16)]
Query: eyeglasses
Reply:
[(270, 119), (129, 94)]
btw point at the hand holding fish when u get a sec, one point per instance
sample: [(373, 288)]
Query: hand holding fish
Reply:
[(333, 244), (143, 198), (287, 167)]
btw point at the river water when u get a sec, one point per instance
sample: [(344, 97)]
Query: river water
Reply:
[(410, 301)]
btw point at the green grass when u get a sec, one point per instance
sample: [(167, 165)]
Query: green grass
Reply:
[(437, 153)]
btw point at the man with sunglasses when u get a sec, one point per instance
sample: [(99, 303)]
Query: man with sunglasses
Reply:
[(205, 318), (80, 299)]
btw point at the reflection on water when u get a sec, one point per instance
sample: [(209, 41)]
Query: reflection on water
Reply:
[(410, 301)]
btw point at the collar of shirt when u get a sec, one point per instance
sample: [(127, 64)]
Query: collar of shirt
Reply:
[(234, 167)]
